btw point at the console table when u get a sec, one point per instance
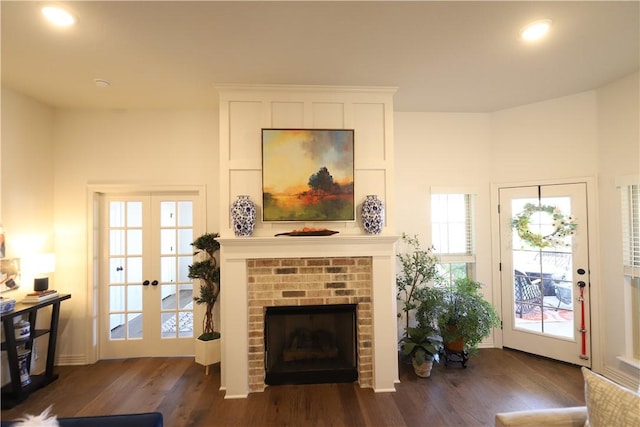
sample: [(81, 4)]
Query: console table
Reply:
[(14, 392)]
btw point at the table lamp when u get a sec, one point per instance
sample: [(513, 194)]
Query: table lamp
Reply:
[(44, 265)]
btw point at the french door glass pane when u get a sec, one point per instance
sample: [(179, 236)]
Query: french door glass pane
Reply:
[(168, 269), (134, 242), (185, 237), (116, 270), (168, 241), (116, 242), (116, 298), (186, 295), (167, 214), (134, 298), (168, 296), (134, 325), (183, 268), (134, 214), (116, 214), (116, 326), (185, 214), (134, 270)]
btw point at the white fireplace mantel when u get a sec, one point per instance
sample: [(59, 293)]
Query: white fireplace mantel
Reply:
[(234, 254)]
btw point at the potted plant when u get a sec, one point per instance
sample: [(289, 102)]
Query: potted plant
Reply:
[(464, 318), (423, 346), (418, 270), (208, 272)]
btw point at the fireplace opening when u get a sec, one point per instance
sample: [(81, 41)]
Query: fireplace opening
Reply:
[(311, 344)]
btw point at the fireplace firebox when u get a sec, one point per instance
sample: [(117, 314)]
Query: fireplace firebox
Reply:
[(311, 344)]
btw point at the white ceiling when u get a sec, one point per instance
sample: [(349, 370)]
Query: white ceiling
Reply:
[(442, 56)]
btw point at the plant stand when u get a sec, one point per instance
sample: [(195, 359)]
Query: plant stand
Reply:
[(207, 353), (455, 357)]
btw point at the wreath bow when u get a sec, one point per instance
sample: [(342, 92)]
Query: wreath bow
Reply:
[(563, 226)]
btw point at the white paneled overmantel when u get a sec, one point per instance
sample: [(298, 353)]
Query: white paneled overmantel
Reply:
[(246, 109)]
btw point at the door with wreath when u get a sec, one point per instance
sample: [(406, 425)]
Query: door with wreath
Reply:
[(544, 271)]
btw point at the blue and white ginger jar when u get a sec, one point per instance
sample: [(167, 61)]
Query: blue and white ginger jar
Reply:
[(243, 216), (372, 214)]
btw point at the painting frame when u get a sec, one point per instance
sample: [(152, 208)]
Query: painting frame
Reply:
[(308, 175)]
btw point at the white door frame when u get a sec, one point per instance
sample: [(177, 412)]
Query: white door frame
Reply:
[(594, 258), (94, 191)]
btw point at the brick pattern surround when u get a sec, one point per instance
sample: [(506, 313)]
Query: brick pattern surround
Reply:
[(309, 281)]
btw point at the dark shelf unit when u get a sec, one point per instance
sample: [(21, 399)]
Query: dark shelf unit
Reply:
[(14, 392)]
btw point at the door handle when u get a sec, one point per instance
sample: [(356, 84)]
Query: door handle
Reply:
[(154, 283), (145, 283)]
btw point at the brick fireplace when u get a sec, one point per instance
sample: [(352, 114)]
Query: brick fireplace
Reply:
[(261, 272)]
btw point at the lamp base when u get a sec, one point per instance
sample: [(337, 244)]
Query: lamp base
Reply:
[(40, 284)]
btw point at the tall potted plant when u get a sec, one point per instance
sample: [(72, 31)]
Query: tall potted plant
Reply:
[(418, 270), (208, 272)]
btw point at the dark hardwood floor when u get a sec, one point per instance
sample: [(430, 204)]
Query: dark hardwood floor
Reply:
[(494, 381)]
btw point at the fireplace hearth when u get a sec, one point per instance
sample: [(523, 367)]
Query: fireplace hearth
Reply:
[(310, 344)]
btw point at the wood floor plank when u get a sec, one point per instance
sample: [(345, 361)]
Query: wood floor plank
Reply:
[(495, 380)]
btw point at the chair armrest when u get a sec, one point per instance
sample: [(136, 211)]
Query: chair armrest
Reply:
[(557, 417)]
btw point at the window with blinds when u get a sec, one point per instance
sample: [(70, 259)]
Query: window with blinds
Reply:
[(631, 229), (630, 195), (452, 234)]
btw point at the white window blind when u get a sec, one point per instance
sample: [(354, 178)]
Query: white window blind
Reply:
[(631, 229), (452, 225), (452, 233)]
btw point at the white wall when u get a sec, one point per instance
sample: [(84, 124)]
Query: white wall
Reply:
[(27, 190), (146, 147), (618, 155)]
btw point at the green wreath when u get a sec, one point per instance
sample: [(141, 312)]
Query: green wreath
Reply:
[(563, 226)]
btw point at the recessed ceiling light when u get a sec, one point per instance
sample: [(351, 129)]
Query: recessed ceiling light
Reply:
[(536, 30), (58, 16)]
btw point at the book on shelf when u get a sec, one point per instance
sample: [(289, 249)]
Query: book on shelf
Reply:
[(39, 296)]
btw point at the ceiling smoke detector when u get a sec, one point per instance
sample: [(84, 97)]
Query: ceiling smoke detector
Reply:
[(102, 83)]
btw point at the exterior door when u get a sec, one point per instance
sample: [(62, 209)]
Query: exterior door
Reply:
[(146, 296), (545, 271)]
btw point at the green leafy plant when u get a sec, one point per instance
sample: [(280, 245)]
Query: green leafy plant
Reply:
[(418, 270), (208, 272), (422, 344), (461, 313)]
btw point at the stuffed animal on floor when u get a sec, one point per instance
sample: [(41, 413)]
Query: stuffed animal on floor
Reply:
[(42, 420)]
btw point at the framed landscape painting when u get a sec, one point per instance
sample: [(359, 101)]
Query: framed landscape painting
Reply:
[(307, 175)]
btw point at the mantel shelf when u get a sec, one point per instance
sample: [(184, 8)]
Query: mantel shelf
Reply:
[(307, 246)]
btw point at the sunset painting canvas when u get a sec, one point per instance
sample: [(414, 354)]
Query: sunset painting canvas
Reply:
[(307, 175)]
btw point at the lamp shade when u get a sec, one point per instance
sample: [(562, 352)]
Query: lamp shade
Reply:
[(45, 263)]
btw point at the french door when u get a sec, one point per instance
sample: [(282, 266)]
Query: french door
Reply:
[(146, 298), (545, 271)]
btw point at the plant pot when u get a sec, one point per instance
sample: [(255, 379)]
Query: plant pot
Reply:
[(207, 353), (424, 370), (457, 344)]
